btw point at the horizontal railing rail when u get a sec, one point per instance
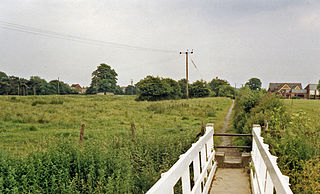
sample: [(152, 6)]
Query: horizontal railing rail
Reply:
[(266, 176), (201, 156), (240, 147), (232, 134)]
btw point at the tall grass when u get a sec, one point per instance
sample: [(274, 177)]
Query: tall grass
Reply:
[(40, 150)]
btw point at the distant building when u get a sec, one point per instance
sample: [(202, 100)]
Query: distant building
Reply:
[(312, 91), (123, 88), (279, 88), (290, 90), (79, 88)]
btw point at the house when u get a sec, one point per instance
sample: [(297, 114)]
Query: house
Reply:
[(123, 88), (312, 91), (289, 90), (79, 88), (279, 88)]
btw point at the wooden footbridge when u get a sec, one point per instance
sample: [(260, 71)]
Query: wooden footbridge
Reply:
[(208, 169)]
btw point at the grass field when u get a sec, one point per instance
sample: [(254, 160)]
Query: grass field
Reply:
[(164, 130), (310, 107)]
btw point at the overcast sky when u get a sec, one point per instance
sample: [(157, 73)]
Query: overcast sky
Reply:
[(274, 40)]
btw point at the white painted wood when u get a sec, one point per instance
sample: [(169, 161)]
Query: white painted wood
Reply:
[(265, 174), (186, 187), (181, 168)]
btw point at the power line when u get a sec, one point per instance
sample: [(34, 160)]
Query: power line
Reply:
[(52, 34)]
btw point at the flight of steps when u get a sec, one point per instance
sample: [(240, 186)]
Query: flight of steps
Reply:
[(233, 159)]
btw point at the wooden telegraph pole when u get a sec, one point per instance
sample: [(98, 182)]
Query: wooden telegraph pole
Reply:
[(58, 86), (187, 74)]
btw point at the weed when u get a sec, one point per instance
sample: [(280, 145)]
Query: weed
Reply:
[(33, 128)]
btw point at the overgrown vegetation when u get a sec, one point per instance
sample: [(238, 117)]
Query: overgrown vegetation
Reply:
[(156, 88), (293, 135), (40, 151)]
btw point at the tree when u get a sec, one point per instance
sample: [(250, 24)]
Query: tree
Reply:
[(104, 79), (23, 86), (38, 85), (216, 84), (199, 89), (130, 90), (183, 88), (63, 88), (174, 89), (152, 88), (4, 83), (227, 91), (254, 84), (14, 83), (3, 75)]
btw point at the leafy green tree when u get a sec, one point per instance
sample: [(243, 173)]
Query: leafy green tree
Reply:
[(227, 91), (118, 90), (254, 84), (174, 89), (183, 85), (38, 85), (104, 79), (216, 84), (152, 89), (3, 75), (4, 86), (199, 89), (130, 90), (319, 85), (4, 83), (63, 88), (24, 86), (14, 83)]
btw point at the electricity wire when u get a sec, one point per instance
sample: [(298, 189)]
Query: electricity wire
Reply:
[(195, 66), (52, 34)]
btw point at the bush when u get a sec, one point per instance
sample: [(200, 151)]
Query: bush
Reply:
[(292, 139), (155, 88), (199, 89)]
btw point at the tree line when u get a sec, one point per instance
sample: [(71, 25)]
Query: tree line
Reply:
[(104, 80), (12, 85)]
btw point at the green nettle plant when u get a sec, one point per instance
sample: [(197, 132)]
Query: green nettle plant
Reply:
[(290, 136)]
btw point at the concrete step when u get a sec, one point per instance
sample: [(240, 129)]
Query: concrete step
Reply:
[(232, 160)]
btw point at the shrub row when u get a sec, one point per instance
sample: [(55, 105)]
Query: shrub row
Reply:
[(290, 136)]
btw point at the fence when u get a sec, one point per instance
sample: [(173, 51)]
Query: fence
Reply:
[(265, 175), (195, 168)]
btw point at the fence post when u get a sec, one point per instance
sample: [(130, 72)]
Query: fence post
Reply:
[(81, 133), (133, 134), (202, 128)]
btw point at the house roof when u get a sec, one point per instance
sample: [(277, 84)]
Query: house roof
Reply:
[(75, 85), (275, 87), (312, 86)]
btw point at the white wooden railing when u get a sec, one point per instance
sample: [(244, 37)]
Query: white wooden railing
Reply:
[(266, 176), (201, 155)]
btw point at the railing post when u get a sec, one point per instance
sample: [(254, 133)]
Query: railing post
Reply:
[(266, 175), (185, 179), (181, 169)]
